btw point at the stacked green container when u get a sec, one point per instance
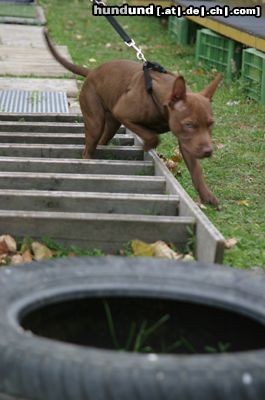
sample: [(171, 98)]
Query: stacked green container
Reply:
[(178, 27), (217, 51), (253, 74)]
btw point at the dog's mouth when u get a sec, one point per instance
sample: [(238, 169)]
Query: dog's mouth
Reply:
[(200, 156), (200, 152)]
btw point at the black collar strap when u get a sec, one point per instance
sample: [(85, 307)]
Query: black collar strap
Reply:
[(147, 78)]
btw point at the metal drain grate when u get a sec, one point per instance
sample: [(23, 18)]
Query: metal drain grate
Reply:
[(16, 1), (25, 101)]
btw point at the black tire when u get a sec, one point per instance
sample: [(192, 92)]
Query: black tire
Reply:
[(36, 368)]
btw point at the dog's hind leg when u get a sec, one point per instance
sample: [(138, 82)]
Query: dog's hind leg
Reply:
[(110, 128), (94, 121)]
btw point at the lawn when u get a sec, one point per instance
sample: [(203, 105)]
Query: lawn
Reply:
[(17, 10), (236, 171)]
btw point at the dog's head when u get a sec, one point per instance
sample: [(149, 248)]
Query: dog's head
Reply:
[(191, 118)]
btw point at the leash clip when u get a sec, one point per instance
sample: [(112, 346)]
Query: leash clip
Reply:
[(139, 53), (98, 2)]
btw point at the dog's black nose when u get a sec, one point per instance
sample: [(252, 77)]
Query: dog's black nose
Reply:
[(208, 153)]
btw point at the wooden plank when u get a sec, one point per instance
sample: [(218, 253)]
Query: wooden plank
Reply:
[(81, 182), (33, 68), (21, 61), (37, 84), (112, 167), (30, 53), (69, 151), (104, 231), (94, 202), (41, 127), (58, 138), (209, 241), (23, 36), (39, 118)]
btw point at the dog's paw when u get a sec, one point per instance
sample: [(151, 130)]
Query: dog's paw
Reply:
[(209, 198), (151, 143), (85, 155)]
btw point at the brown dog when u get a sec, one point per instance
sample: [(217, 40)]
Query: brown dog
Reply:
[(114, 94)]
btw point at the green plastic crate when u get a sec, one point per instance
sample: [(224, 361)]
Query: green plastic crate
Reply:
[(217, 51), (253, 74), (178, 27), (183, 30)]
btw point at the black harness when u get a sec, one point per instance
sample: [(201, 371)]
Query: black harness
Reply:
[(147, 66)]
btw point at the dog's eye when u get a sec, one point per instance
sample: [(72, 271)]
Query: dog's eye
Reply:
[(189, 125)]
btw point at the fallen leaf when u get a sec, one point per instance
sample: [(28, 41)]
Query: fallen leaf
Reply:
[(40, 251), (92, 60), (249, 179), (3, 247), (108, 45), (17, 259), (78, 37), (71, 254), (162, 157), (233, 103), (10, 243), (158, 249), (3, 259), (26, 245), (198, 72), (27, 257), (220, 146), (171, 165), (162, 250), (188, 257), (177, 155), (244, 203), (201, 205), (229, 243), (142, 249)]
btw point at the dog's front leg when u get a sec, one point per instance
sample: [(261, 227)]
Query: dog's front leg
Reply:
[(197, 178), (150, 138)]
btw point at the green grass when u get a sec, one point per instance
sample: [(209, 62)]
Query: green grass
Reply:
[(64, 251), (236, 172), (140, 336), (17, 10)]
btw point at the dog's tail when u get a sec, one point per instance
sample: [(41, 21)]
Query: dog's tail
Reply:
[(76, 69)]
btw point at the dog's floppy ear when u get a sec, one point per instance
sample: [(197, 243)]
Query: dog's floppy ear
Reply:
[(178, 91), (210, 89)]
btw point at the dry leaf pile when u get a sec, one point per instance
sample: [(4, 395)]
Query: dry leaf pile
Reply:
[(28, 252), (231, 242), (173, 162), (158, 249), (35, 251)]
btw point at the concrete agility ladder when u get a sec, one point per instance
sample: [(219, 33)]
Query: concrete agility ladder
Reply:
[(46, 188)]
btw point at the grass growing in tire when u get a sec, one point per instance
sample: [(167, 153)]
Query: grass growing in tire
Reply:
[(138, 337)]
